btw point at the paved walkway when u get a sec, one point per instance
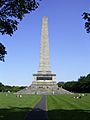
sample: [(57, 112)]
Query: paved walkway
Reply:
[(39, 111)]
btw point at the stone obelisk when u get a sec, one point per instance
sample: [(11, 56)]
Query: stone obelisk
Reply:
[(44, 66), (44, 81), (44, 76)]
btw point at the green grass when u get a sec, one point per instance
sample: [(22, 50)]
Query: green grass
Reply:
[(14, 108), (65, 107), (60, 107)]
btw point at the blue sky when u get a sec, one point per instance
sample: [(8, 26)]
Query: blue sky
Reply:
[(69, 43)]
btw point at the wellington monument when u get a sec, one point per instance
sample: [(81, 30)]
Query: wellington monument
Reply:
[(44, 81), (44, 76)]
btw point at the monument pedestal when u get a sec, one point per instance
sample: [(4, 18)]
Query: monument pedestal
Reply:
[(44, 81)]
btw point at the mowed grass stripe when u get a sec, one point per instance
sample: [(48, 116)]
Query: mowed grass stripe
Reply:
[(68, 102), (15, 108), (76, 103), (12, 101), (65, 107), (60, 102)]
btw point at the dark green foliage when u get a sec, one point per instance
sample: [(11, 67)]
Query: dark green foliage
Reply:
[(17, 88), (84, 83), (11, 12), (2, 52), (6, 88), (1, 84), (80, 86), (71, 86), (82, 79), (1, 87), (60, 84), (86, 16)]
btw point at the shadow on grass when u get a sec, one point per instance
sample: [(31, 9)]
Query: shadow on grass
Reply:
[(21, 113), (69, 114), (37, 114), (14, 113)]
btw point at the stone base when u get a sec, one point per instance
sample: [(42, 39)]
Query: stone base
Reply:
[(44, 84), (43, 90), (45, 80)]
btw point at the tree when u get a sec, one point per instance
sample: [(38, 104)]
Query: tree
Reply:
[(1, 84), (86, 16), (71, 86), (60, 84), (1, 87), (81, 86), (2, 52), (82, 79), (11, 13)]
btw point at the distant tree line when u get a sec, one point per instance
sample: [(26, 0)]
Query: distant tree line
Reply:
[(80, 86), (7, 88)]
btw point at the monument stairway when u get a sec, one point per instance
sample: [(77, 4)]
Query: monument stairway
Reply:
[(43, 91)]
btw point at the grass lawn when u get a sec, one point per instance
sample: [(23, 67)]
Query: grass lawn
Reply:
[(15, 108), (65, 107)]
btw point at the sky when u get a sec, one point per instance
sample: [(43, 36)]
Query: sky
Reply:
[(69, 43)]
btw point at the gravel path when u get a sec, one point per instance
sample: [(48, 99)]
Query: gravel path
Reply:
[(39, 111)]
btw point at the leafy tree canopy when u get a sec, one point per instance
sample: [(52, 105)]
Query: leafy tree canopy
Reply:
[(11, 12), (2, 52), (80, 86), (81, 79), (86, 16), (1, 84)]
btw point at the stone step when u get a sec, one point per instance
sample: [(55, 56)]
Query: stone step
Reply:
[(31, 90)]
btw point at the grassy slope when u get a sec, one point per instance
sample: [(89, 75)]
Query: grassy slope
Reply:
[(65, 107), (14, 108)]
